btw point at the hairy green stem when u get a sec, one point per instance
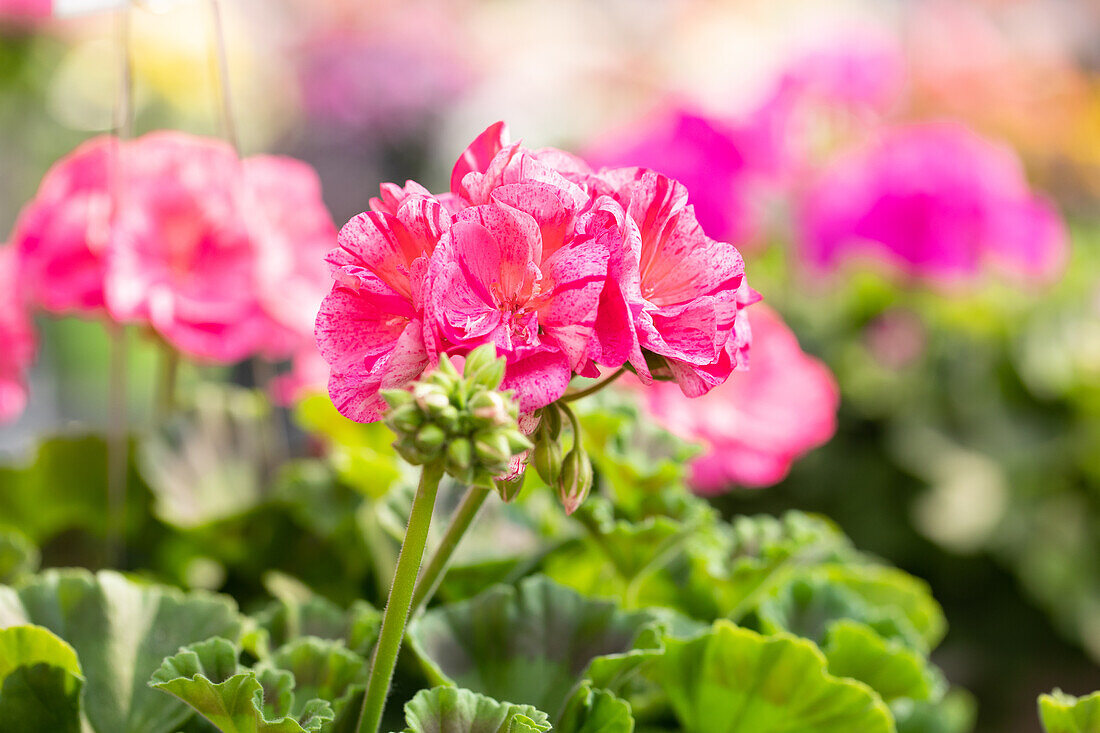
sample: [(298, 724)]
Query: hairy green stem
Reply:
[(573, 396), (396, 614), (461, 520)]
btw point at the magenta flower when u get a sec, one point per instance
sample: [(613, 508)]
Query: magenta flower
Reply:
[(760, 421), (529, 285), (684, 291), (564, 270), (703, 153), (936, 202), (17, 338), (62, 234)]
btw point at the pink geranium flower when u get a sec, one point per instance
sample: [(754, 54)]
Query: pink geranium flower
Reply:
[(62, 234), (220, 257), (684, 291), (370, 327), (563, 269), (529, 285), (759, 422), (16, 336), (934, 201)]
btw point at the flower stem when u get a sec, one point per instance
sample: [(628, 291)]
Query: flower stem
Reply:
[(166, 384), (571, 396), (396, 614), (117, 443), (433, 572)]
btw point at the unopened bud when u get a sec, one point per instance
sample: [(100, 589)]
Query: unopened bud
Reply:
[(405, 419), (490, 408), (576, 479), (478, 359), (551, 421), (430, 438), (460, 454), (548, 459), (492, 449), (396, 398), (509, 488)]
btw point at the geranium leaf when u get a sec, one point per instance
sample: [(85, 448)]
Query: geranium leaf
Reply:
[(454, 710), (954, 713), (121, 632), (1062, 713), (893, 670), (529, 644), (40, 681), (595, 711), (322, 668), (18, 557), (208, 677), (733, 680), (287, 619)]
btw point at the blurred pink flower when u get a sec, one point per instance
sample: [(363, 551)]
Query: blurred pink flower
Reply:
[(62, 234), (936, 202), (760, 421), (705, 155), (293, 232), (222, 258), (25, 9), (17, 338)]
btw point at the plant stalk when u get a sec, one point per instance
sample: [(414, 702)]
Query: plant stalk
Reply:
[(396, 614), (572, 396), (433, 572)]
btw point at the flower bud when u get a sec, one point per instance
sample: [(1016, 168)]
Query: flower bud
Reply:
[(489, 376), (509, 488), (405, 419), (396, 398), (459, 454), (490, 409), (478, 359), (576, 479), (548, 459), (551, 421), (492, 449), (430, 438)]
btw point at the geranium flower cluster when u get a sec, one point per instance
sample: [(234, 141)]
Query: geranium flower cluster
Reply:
[(222, 258), (565, 270)]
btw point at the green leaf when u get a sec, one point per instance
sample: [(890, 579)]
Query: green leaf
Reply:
[(453, 710), (809, 606), (207, 677), (18, 557), (1062, 713), (733, 680), (767, 552), (595, 711), (42, 699), (955, 713), (23, 645), (322, 669), (360, 452), (121, 631), (893, 670), (40, 681), (287, 619), (63, 489), (211, 460), (891, 589), (529, 644)]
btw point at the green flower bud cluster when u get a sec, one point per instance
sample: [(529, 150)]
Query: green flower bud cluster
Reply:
[(569, 474), (462, 420)]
